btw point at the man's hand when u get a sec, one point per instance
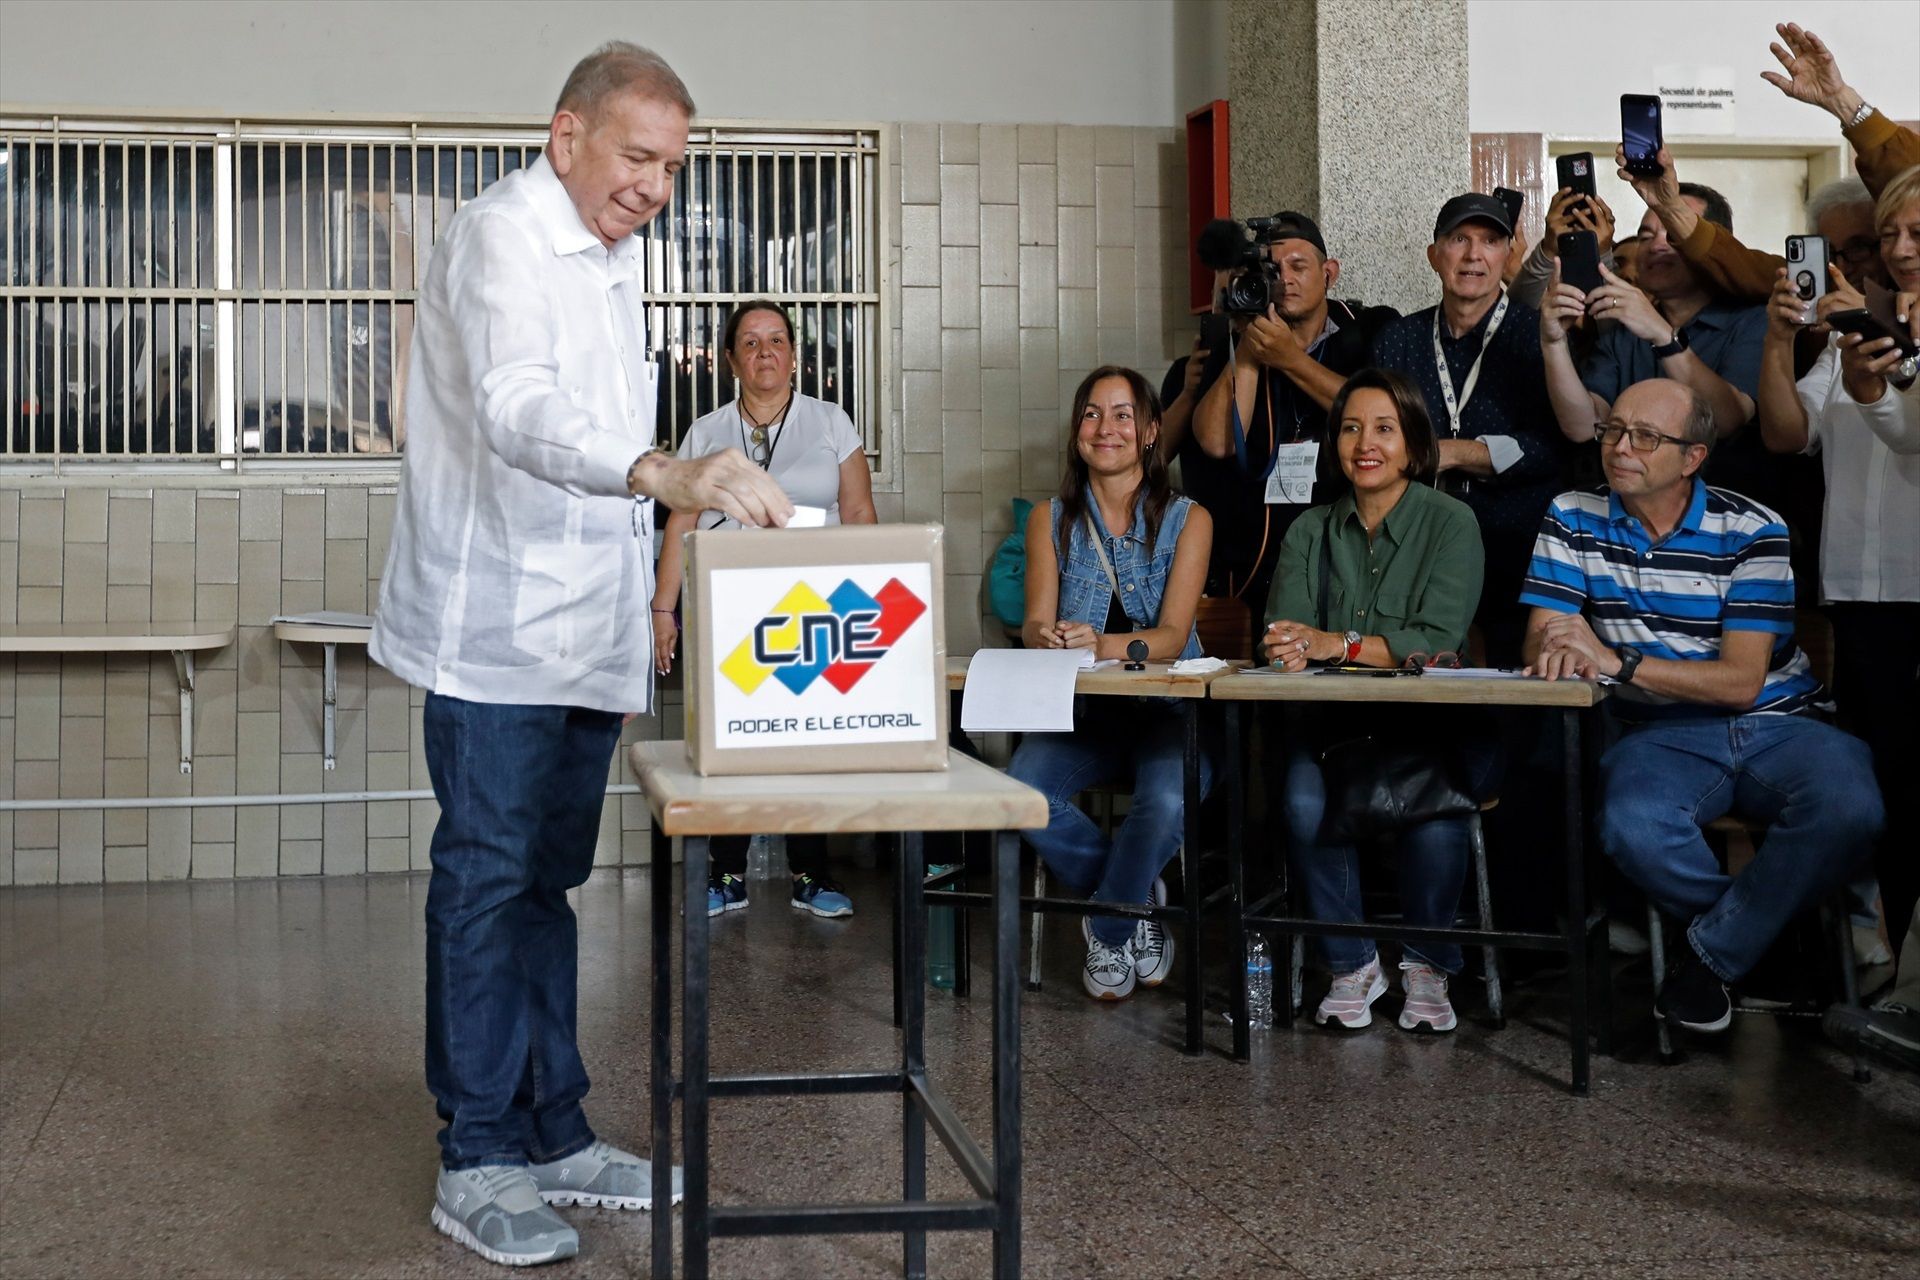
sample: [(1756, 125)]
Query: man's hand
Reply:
[(1516, 257), (1291, 645), (1560, 310), (1786, 312), (1812, 75), (666, 633), (1195, 370), (1661, 194), (1619, 301), (725, 482), (1569, 650), (1270, 341)]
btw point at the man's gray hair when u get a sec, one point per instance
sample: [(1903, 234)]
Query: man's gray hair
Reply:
[(620, 66), (1698, 427), (1836, 195)]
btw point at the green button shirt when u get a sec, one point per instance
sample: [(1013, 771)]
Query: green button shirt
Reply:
[(1416, 585)]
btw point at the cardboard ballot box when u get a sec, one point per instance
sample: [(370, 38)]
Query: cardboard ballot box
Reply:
[(815, 650)]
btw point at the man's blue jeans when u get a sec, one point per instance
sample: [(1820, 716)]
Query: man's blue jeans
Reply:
[(520, 791), (1114, 740), (1432, 855), (1810, 783)]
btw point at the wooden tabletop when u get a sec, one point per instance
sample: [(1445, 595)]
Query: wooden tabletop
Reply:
[(1157, 681), (320, 633), (967, 796), (1315, 687), (113, 637)]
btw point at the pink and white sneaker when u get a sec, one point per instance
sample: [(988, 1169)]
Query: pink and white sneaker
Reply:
[(1427, 1006), (1350, 1002)]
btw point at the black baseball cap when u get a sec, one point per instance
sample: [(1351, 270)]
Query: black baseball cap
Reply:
[(1469, 207), (1290, 225)]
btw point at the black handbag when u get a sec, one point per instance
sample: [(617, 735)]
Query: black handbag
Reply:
[(1376, 788)]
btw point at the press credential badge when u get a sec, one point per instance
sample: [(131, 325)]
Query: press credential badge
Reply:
[(1291, 479)]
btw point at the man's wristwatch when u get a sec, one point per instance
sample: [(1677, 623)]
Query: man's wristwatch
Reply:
[(1629, 662), (1674, 347), (1353, 640), (1860, 116)]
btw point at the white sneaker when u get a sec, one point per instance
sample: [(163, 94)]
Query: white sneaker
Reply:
[(1109, 971), (1350, 1002), (1427, 1004), (1152, 944), (496, 1211), (602, 1176)]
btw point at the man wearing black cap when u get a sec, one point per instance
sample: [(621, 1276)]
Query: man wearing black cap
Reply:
[(1257, 469), (1476, 358)]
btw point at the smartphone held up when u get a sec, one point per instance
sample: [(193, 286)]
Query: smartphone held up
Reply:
[(1641, 135), (1807, 269)]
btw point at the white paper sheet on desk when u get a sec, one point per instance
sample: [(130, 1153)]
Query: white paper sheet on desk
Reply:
[(1473, 673), (1021, 690)]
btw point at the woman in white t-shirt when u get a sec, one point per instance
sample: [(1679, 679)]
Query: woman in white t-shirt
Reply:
[(1858, 408), (811, 449)]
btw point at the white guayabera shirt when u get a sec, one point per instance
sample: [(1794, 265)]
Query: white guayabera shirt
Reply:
[(520, 571)]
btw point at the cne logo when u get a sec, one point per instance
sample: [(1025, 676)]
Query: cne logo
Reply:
[(839, 638)]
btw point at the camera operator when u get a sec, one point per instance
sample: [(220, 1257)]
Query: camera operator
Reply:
[(1250, 444)]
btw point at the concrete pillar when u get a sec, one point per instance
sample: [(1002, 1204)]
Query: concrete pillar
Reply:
[(1355, 112)]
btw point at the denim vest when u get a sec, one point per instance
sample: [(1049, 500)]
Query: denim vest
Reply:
[(1085, 592)]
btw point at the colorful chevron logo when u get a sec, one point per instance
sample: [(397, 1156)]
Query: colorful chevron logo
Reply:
[(807, 637)]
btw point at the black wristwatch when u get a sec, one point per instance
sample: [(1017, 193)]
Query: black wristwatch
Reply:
[(1673, 348), (1629, 662)]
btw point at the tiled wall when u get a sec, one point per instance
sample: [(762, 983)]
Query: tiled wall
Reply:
[(1023, 257)]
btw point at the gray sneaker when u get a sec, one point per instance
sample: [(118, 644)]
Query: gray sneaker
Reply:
[(496, 1211), (600, 1175)]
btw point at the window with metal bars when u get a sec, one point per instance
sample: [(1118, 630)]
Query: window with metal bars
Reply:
[(243, 295)]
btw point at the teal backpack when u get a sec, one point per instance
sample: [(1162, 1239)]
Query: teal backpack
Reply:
[(1007, 575)]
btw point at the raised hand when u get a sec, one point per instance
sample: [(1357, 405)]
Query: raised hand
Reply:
[(1812, 75)]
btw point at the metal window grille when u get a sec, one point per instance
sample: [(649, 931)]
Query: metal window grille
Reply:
[(242, 295)]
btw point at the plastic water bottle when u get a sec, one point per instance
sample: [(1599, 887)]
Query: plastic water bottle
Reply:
[(760, 858), (1259, 983), (940, 949)]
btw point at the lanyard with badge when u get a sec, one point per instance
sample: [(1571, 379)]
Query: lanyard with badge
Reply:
[(1292, 465), (1457, 405), (764, 436)]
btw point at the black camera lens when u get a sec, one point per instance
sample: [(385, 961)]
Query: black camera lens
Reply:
[(1794, 251)]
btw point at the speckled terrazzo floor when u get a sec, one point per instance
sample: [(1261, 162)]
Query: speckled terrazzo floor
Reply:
[(223, 1079)]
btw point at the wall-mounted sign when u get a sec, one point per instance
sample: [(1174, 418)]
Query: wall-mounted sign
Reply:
[(1695, 99)]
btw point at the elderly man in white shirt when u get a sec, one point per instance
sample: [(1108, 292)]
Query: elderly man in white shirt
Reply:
[(516, 593)]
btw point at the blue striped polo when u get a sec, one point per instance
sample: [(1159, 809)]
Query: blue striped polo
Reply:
[(1723, 568)]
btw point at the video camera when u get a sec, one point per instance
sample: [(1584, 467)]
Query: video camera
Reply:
[(1241, 249)]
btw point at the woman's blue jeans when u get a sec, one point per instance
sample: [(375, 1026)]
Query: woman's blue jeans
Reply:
[(1432, 855), (520, 791), (1134, 740)]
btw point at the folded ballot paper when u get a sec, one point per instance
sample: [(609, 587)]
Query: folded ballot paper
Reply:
[(1022, 690)]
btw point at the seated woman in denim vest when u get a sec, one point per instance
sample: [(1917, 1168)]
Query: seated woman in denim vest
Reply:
[(1386, 573), (1117, 557)]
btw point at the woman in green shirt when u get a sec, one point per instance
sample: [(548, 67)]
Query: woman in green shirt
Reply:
[(1388, 572)]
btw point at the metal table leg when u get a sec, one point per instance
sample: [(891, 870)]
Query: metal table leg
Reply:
[(1006, 1055), (912, 979), (1237, 884), (1190, 874), (662, 1062), (1578, 948), (183, 673), (329, 699), (696, 1226)]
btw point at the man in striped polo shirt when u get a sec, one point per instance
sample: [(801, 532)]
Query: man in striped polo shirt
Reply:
[(1682, 593)]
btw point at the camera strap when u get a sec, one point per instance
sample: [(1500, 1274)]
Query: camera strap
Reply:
[(1456, 405)]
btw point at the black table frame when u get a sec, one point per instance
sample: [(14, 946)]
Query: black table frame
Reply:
[(1583, 941), (1186, 916), (996, 1182)]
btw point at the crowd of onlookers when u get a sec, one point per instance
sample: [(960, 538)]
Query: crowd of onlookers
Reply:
[(1355, 486)]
